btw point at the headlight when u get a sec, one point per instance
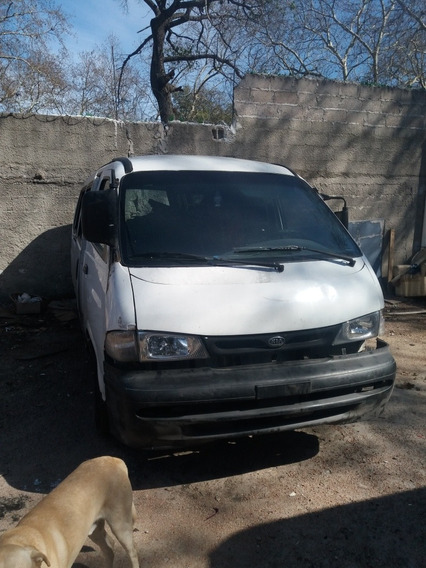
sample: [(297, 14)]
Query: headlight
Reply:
[(128, 346), (362, 328), (169, 347)]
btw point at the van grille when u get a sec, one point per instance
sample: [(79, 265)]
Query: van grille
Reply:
[(279, 347)]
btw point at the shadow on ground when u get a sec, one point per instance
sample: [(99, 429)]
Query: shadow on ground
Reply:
[(379, 533)]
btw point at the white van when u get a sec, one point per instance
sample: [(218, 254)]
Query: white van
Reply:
[(223, 298)]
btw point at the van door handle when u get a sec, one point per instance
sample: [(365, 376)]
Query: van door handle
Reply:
[(85, 269)]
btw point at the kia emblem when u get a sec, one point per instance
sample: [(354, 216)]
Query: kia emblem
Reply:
[(276, 341)]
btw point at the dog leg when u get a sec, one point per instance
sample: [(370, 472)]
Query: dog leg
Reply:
[(125, 538), (122, 528), (100, 537)]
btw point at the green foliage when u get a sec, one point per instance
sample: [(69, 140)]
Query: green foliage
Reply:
[(205, 106)]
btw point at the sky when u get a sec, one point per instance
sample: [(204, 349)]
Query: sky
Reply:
[(92, 21)]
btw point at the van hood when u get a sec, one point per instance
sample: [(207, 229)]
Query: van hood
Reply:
[(229, 300)]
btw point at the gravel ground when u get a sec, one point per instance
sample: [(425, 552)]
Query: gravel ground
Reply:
[(332, 496)]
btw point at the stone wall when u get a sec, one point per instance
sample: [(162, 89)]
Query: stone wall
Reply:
[(366, 144)]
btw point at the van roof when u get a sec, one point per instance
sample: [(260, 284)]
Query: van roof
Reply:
[(201, 163)]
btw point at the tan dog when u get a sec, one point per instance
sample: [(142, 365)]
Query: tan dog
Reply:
[(55, 530)]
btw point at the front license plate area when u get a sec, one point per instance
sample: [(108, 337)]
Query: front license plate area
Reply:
[(278, 391)]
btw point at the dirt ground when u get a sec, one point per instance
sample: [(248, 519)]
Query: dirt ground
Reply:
[(332, 496)]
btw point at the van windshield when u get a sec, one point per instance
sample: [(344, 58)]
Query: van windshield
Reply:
[(187, 217)]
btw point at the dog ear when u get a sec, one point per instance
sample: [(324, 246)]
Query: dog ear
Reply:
[(38, 557)]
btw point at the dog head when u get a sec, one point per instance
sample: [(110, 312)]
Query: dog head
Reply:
[(14, 556)]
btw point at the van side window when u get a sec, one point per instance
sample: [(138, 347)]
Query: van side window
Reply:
[(105, 183), (101, 248)]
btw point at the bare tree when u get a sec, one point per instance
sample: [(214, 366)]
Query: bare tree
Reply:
[(93, 85), (278, 40), (362, 40), (377, 41), (360, 31), (184, 32), (416, 10), (31, 65), (406, 64)]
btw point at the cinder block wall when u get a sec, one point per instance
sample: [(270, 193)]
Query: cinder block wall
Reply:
[(367, 144)]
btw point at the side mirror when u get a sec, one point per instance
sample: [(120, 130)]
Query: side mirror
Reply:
[(98, 216), (342, 215)]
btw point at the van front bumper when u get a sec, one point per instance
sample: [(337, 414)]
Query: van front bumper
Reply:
[(181, 407)]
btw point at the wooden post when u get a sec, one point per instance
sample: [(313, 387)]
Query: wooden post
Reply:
[(391, 251)]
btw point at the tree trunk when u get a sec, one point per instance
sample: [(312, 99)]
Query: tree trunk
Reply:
[(160, 80)]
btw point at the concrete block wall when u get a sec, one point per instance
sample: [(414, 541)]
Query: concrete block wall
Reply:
[(367, 144)]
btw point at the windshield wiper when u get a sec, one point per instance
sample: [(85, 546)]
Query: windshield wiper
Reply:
[(218, 261), (296, 248), (210, 261)]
